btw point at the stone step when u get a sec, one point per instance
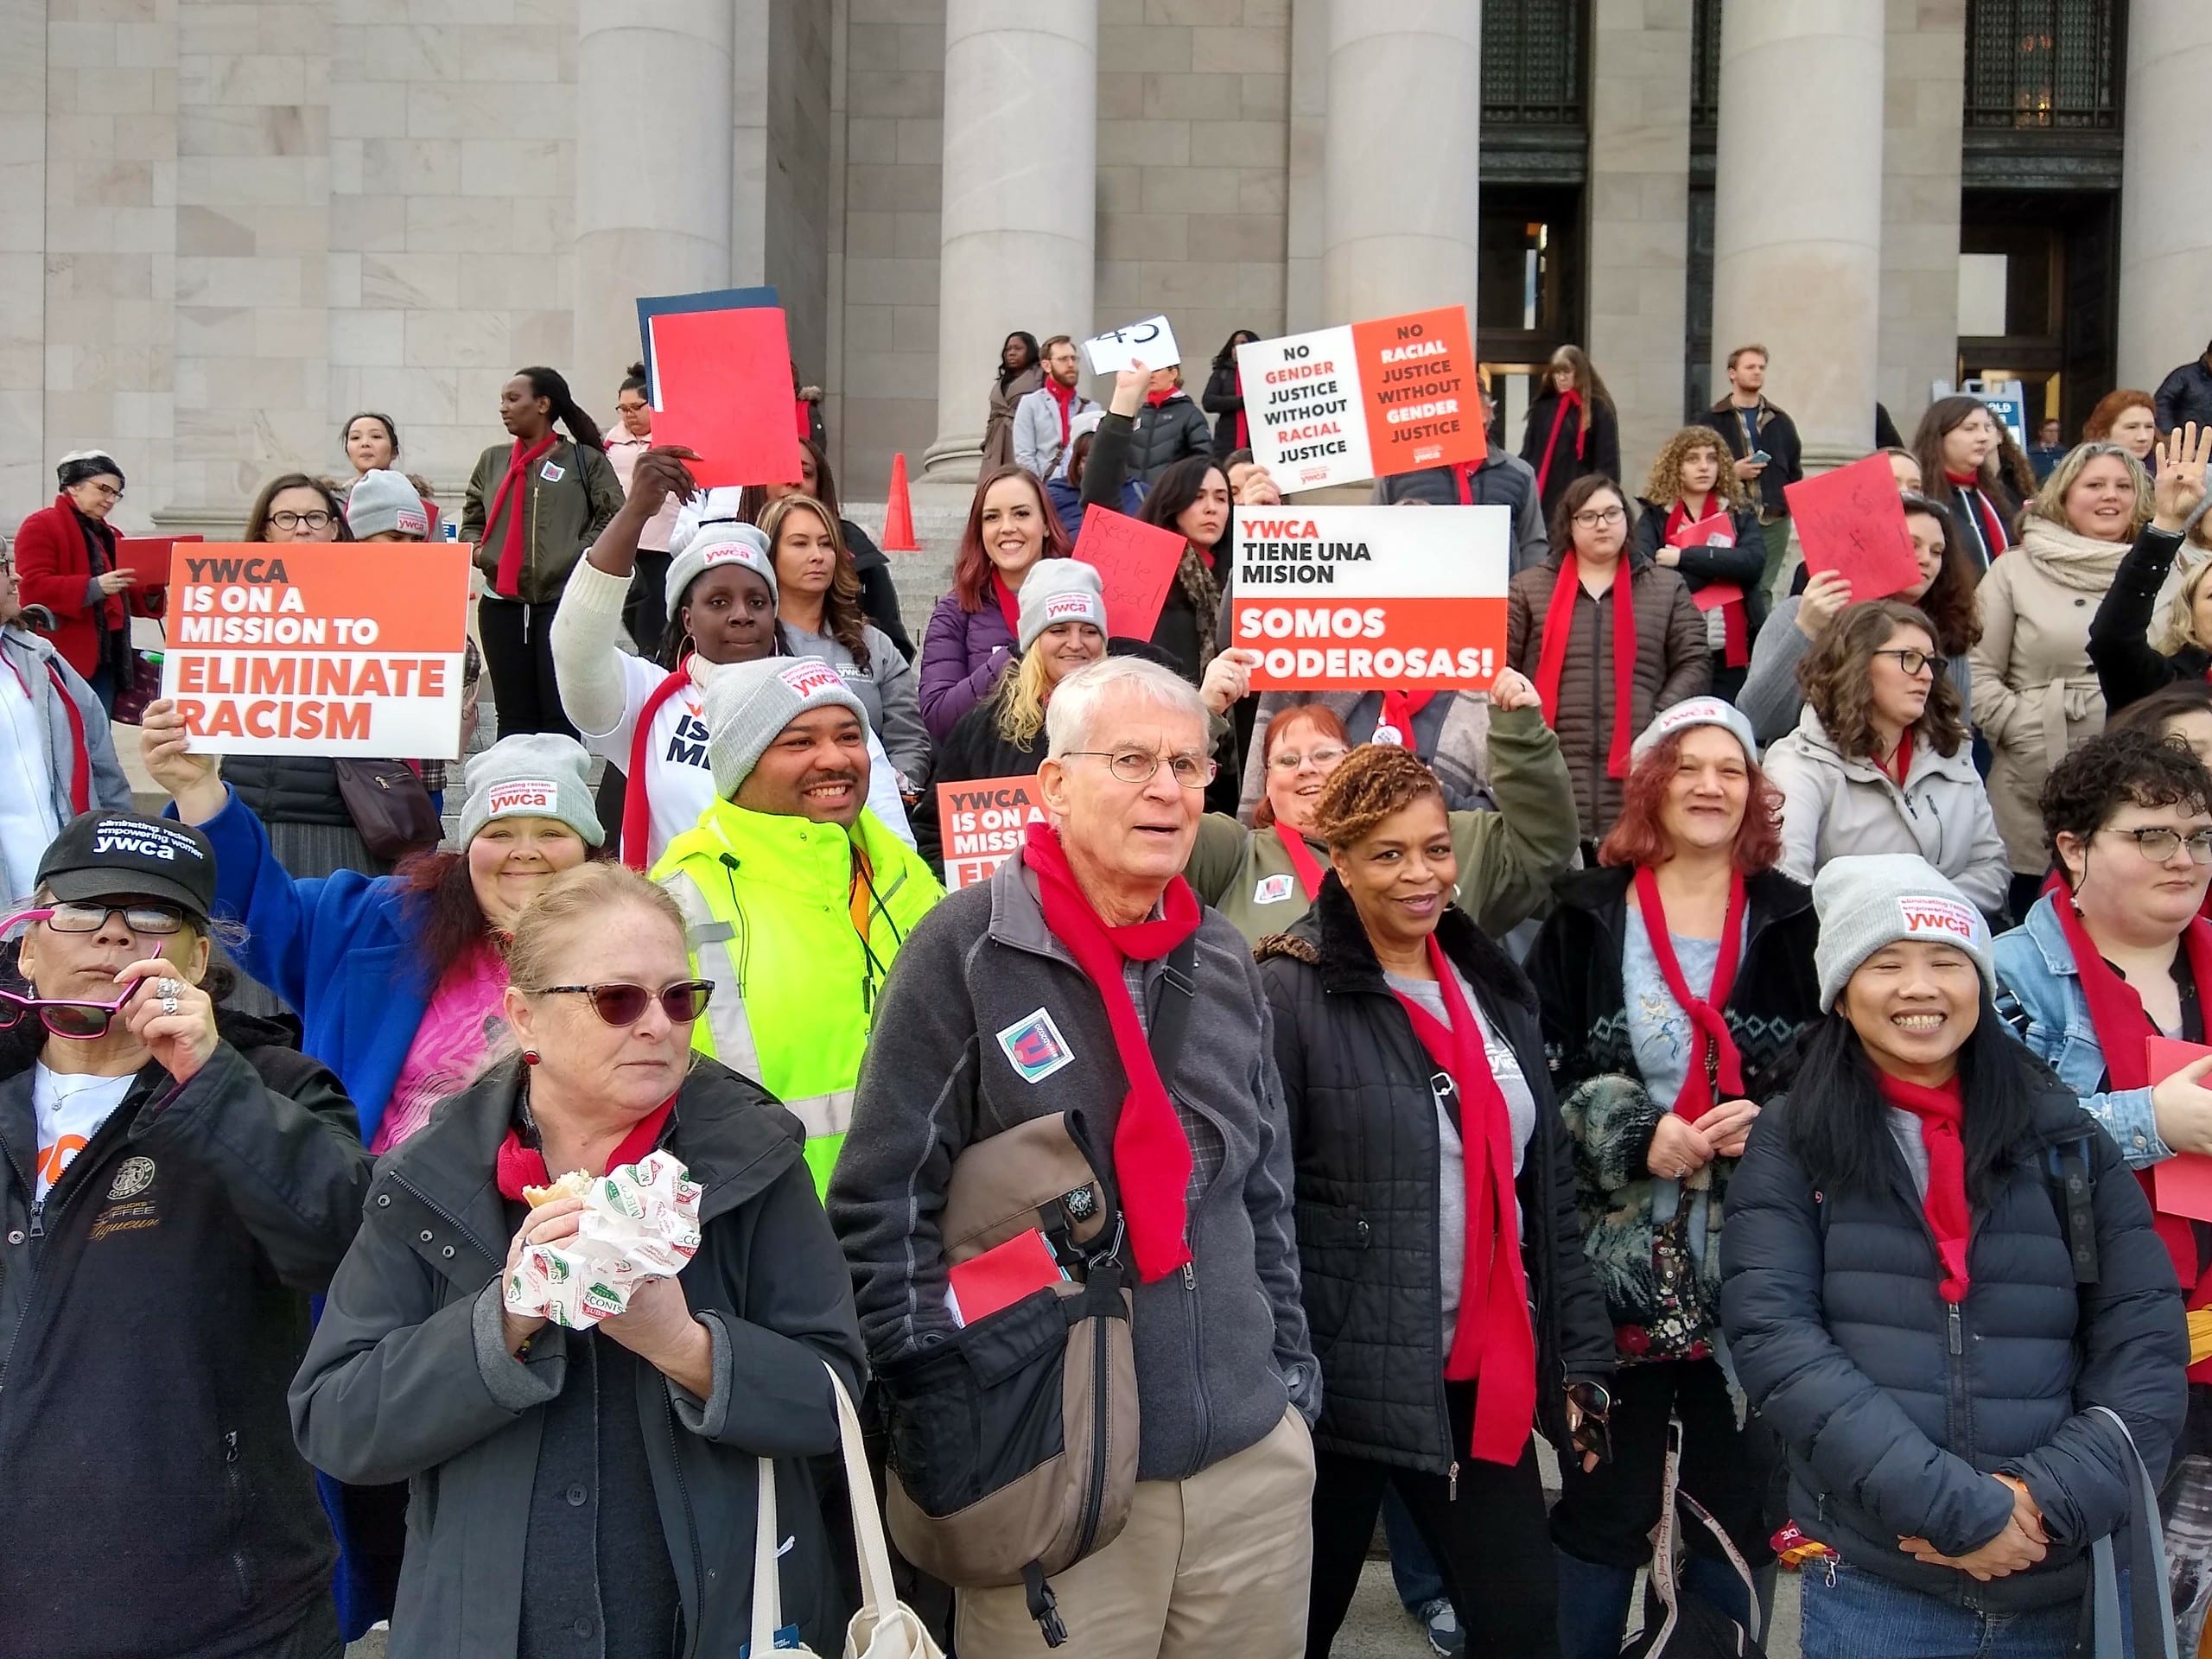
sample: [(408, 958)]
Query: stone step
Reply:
[(921, 578)]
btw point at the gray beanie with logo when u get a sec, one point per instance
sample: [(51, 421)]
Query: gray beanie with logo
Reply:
[(720, 541), (1060, 590), (1870, 901), (531, 775), (1694, 712), (749, 704), (381, 501)]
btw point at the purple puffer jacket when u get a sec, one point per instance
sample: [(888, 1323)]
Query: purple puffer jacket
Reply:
[(964, 654)]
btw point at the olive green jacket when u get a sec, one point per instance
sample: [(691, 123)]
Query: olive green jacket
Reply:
[(561, 515)]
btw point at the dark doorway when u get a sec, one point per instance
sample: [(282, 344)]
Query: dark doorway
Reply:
[(2051, 254)]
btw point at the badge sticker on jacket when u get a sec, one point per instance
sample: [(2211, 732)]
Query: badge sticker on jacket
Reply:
[(552, 472), (1272, 890), (1036, 1047)]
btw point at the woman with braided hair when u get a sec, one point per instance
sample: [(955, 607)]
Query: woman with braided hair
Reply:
[(534, 505), (1435, 1201)]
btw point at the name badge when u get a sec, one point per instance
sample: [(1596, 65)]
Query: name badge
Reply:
[(1272, 890), (552, 472)]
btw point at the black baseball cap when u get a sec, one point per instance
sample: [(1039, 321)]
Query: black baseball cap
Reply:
[(120, 854)]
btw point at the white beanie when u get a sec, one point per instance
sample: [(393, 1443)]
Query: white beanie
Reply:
[(1060, 590), (531, 775), (1693, 712), (720, 541), (748, 705), (381, 501), (1871, 900)]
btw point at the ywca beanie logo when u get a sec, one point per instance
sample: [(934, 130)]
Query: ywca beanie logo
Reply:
[(1066, 605), (810, 677), (1936, 915), (523, 795)]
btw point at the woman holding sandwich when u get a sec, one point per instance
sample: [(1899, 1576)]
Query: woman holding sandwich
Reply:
[(589, 1490)]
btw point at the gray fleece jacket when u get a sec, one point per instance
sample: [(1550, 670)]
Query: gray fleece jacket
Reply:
[(1220, 1347)]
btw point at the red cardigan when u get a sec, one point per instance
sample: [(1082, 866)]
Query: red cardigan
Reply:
[(53, 569)]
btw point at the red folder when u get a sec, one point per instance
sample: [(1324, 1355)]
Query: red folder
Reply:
[(1000, 1277), (2181, 1186)]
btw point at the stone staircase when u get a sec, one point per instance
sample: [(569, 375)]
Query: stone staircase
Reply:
[(922, 578)]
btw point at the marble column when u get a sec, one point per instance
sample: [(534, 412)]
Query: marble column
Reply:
[(1923, 126), (1797, 212), (654, 95), (2165, 199), (1405, 81), (1019, 200)]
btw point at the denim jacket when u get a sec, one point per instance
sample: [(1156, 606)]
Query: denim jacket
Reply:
[(2039, 994)]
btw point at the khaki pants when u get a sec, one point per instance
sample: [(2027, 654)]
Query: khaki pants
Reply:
[(1218, 1564)]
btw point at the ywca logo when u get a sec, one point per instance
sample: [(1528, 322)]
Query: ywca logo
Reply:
[(809, 677), (133, 1177), (1067, 605), (528, 795), (1934, 915)]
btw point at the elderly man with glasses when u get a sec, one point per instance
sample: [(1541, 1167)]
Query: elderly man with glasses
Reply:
[(1086, 982), (176, 1183)]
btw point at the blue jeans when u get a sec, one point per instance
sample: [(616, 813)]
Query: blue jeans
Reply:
[(1414, 1571), (1859, 1614)]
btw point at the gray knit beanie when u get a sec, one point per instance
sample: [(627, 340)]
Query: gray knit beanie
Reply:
[(531, 775), (1693, 712), (381, 501), (748, 704), (1060, 590), (722, 541), (1867, 902)]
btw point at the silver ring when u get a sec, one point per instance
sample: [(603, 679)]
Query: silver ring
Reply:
[(169, 1005)]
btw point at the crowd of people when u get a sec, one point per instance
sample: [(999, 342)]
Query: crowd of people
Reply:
[(1720, 1049)]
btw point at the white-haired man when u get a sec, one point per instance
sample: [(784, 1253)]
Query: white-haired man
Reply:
[(1041, 992)]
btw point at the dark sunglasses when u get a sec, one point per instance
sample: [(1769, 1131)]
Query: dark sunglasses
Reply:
[(1593, 1407), (82, 1021), (620, 1004)]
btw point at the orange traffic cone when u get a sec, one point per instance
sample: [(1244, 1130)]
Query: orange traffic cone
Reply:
[(899, 512)]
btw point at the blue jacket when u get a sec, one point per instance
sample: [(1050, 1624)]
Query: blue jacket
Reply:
[(341, 950), (1067, 502), (2039, 994)]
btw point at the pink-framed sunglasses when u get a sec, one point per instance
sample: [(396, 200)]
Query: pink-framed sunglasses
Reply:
[(64, 1017)]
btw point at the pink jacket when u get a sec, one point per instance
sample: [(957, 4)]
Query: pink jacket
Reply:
[(623, 450)]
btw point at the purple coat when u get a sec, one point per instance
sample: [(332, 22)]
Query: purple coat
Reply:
[(964, 654)]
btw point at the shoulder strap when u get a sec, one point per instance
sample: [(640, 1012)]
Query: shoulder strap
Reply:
[(2072, 1193), (1180, 991)]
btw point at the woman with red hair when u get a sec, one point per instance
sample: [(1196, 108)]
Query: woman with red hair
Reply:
[(2128, 418), (1672, 981), (971, 637)]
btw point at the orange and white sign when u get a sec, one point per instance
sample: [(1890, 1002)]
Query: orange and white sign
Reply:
[(319, 648), (983, 822), (1369, 400), (1358, 599)]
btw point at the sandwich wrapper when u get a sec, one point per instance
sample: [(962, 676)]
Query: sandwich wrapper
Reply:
[(639, 1222)]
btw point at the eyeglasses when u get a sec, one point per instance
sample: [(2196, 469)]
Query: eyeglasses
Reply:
[(2158, 841), (622, 1004), (1137, 765), (1594, 516), (1592, 1411), (1291, 759), (63, 1017), (155, 921), (108, 492), (314, 520), (1914, 663)]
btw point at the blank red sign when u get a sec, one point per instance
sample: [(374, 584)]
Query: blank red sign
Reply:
[(2182, 1184), (1851, 521), (725, 386)]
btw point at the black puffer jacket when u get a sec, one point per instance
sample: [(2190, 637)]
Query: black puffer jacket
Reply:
[(1700, 567), (1166, 432), (2119, 649), (287, 788), (1576, 966), (1363, 1136), (1895, 1405)]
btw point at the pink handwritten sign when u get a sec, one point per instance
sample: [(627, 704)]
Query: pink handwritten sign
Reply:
[(1135, 561), (1851, 521), (2181, 1186)]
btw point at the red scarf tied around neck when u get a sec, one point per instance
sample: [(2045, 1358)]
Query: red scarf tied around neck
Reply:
[(1551, 661), (1940, 1111), (1065, 396), (1152, 1155), (1243, 428), (1569, 401), (1714, 1061), (1395, 726), (1493, 1342), (1301, 858), (518, 1166), (514, 483), (2124, 1031), (1985, 510), (1009, 605)]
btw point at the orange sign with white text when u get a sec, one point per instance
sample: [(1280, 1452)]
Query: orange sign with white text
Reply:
[(319, 648), (983, 822)]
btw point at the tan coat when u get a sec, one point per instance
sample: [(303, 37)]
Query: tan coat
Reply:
[(2035, 694)]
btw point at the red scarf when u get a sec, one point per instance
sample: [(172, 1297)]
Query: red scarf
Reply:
[(803, 418), (1301, 858), (636, 814), (1065, 396), (2123, 1033), (518, 1166), (1493, 1342), (1463, 475), (1941, 1110), (81, 771), (1243, 431), (520, 460), (1900, 769), (1009, 606), (1735, 619), (1152, 1155), (1399, 707), (1992, 527), (1714, 1057), (1551, 661), (1566, 400), (1156, 398)]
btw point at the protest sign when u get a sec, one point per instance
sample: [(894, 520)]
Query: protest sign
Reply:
[(1135, 561), (1387, 597), (664, 305), (983, 822), (317, 648), (726, 392), (1151, 342), (1852, 522), (1371, 400), (147, 556), (2182, 1185)]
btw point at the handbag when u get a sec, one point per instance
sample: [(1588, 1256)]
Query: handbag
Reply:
[(389, 805), (143, 687), (1678, 1622), (884, 1627), (2151, 1613)]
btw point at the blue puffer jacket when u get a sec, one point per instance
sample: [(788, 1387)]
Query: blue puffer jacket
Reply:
[(2039, 994), (1896, 1406)]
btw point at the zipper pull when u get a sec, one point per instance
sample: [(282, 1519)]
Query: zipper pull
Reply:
[(38, 1219), (1831, 1571), (1190, 1276), (1452, 1482), (1956, 1348)]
